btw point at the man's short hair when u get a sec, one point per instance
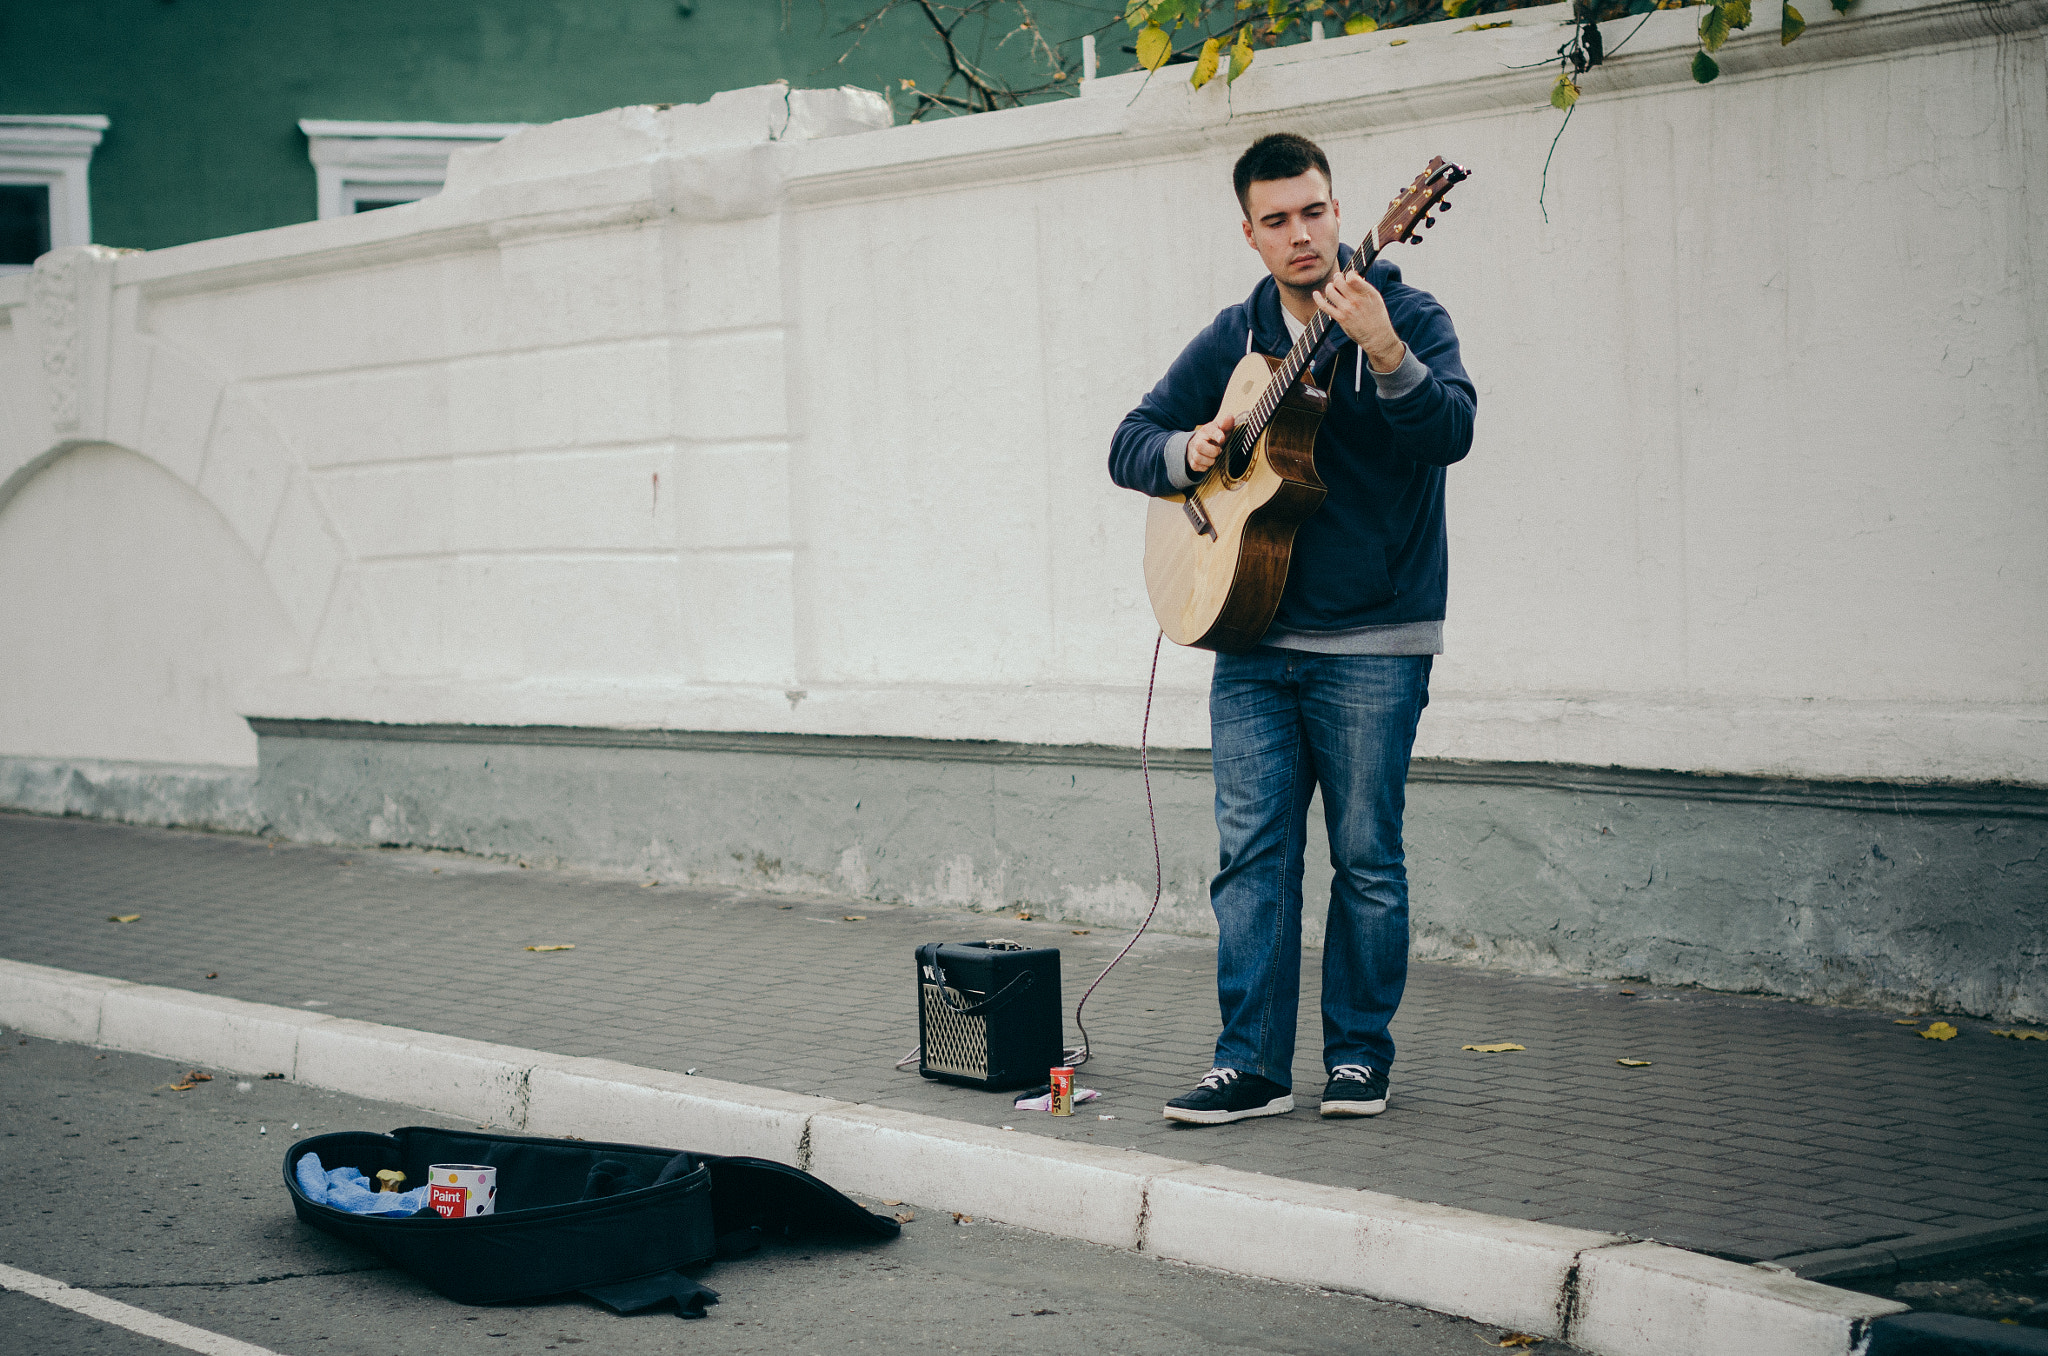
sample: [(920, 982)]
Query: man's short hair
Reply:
[(1282, 155)]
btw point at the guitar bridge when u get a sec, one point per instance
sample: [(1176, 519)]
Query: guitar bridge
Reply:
[(1192, 506)]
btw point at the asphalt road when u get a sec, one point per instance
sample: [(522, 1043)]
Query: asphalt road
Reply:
[(172, 1202)]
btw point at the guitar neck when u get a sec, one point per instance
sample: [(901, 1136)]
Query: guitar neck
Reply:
[(1296, 362)]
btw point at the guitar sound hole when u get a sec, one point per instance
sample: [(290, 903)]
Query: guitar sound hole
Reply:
[(1237, 456)]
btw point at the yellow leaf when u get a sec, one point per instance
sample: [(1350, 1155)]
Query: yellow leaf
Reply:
[(565, 946), (1137, 12), (1502, 1048), (1564, 93), (1633, 1063), (1361, 23), (122, 917), (905, 1216), (1790, 26), (1397, 42), (854, 917), (1940, 1031), (2021, 1034), (1240, 56), (1713, 28), (1524, 1340), (1905, 1021), (1205, 65), (1456, 8), (1154, 47)]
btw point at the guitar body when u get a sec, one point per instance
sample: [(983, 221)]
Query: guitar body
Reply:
[(1218, 589)]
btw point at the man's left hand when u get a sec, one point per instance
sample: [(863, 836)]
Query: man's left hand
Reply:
[(1356, 304)]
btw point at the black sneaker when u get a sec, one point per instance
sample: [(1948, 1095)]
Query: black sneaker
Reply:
[(1354, 1090), (1226, 1095)]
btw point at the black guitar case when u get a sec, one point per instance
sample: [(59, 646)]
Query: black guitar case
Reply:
[(614, 1221)]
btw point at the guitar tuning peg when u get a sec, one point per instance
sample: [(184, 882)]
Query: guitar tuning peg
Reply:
[(1415, 240), (1444, 206), (1429, 221)]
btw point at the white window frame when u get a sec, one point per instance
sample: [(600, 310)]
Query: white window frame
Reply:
[(377, 161), (53, 149)]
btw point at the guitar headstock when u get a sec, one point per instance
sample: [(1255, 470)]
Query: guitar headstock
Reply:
[(1412, 208)]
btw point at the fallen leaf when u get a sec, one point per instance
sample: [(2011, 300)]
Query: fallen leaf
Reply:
[(273, 1075), (1519, 1339), (182, 1087), (959, 1218), (1022, 916), (122, 917), (1628, 993), (1940, 1031), (1904, 1021), (1397, 42), (197, 1077), (1633, 1063), (1499, 1049), (213, 974), (854, 917), (892, 1202), (649, 884), (2022, 1034), (785, 906), (1079, 932), (565, 946), (905, 1216)]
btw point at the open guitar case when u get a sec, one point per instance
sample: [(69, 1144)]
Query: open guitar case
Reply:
[(615, 1222)]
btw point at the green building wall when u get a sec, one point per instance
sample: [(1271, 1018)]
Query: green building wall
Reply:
[(205, 96)]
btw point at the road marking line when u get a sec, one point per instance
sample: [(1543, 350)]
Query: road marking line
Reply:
[(126, 1315)]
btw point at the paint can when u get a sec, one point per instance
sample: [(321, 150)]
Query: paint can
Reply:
[(462, 1190)]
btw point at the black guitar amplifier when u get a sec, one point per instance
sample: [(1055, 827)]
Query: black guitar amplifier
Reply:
[(988, 1013)]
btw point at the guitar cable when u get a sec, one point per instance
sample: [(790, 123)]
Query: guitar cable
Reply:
[(1078, 1055)]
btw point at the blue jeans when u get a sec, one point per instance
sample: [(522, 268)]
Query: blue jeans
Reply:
[(1282, 723)]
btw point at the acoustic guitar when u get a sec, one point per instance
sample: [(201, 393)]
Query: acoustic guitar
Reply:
[(1216, 557)]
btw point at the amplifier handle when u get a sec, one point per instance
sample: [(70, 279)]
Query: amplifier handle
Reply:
[(928, 958)]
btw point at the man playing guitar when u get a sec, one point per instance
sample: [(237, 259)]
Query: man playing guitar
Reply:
[(1331, 695)]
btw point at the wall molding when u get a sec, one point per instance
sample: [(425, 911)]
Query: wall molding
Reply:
[(1989, 800)]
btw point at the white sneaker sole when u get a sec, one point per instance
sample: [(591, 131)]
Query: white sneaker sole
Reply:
[(1279, 1106), (1355, 1108)]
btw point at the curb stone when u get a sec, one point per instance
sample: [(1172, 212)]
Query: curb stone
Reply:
[(1609, 1295)]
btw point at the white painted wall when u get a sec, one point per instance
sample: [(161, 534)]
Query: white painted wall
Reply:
[(750, 416)]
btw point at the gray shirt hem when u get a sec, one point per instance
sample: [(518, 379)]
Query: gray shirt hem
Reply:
[(1420, 637)]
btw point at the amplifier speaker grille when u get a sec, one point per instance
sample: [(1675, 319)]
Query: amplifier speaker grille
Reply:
[(952, 1043)]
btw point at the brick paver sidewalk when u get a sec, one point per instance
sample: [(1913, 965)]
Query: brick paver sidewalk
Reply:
[(1761, 1129)]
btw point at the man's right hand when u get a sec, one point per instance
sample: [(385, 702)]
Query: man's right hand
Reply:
[(1205, 444)]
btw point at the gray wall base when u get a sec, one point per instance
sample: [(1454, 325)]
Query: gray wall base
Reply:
[(1913, 897), (166, 794)]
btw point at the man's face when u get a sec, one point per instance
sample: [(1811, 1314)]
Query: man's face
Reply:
[(1293, 225)]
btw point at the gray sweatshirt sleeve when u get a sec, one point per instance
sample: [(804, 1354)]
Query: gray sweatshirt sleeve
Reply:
[(1176, 454), (1409, 374)]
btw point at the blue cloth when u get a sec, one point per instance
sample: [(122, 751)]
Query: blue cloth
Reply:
[(1375, 553), (347, 1189), (1282, 723)]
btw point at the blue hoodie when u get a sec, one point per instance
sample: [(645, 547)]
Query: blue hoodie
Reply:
[(1373, 556)]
